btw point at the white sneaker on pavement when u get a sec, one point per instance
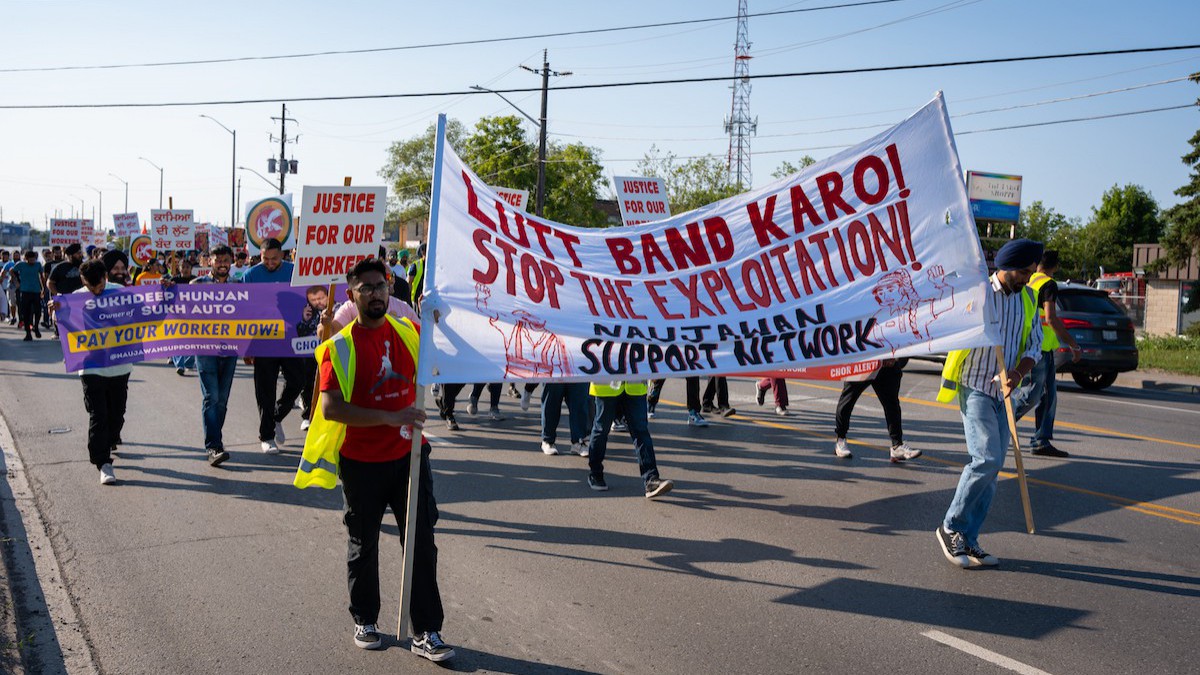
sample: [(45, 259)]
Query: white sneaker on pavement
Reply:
[(269, 448), (473, 406), (695, 419), (107, 477), (904, 452), (549, 448), (525, 396), (279, 436), (842, 449), (580, 449), (304, 424), (782, 412)]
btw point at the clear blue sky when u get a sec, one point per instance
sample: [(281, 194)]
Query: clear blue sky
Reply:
[(47, 158)]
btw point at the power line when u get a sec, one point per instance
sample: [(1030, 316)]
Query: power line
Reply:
[(608, 85), (814, 132), (432, 45)]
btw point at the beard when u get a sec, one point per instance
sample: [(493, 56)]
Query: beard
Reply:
[(122, 279), (375, 311)]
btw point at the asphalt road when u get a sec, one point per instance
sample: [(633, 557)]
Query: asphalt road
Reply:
[(771, 555)]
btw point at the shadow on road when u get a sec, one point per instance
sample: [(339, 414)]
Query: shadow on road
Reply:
[(925, 607)]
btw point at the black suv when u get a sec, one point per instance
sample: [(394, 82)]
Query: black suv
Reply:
[(1104, 333)]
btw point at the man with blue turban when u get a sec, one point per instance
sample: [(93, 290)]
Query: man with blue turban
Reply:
[(972, 378)]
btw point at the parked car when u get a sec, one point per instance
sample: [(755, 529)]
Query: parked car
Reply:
[(1104, 333)]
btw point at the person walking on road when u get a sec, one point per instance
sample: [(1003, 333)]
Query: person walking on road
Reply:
[(972, 377), (377, 409), (272, 411), (886, 383), (778, 388), (105, 389), (627, 399), (578, 412), (30, 288), (1054, 333), (216, 372)]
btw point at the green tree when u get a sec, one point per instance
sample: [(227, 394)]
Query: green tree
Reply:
[(499, 151), (786, 168), (1040, 222), (1182, 237), (409, 169), (690, 183), (1126, 216)]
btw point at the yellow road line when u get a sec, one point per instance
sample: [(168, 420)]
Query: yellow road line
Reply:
[(1170, 513)]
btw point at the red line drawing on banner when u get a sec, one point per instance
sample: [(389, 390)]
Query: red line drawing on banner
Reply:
[(529, 350), (905, 316)]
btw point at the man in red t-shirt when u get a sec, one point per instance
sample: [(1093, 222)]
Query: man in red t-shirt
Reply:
[(374, 464)]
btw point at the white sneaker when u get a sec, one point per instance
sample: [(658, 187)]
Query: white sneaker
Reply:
[(619, 427), (279, 437), (473, 406), (549, 448), (842, 449), (580, 449), (494, 415), (696, 420), (304, 424), (904, 452), (782, 412), (107, 477), (525, 396), (269, 448), (435, 389)]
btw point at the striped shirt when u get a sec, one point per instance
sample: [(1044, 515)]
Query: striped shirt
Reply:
[(1007, 309)]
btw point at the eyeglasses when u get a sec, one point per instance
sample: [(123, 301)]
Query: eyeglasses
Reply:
[(380, 288)]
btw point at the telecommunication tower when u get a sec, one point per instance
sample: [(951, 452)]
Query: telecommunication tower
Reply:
[(739, 125)]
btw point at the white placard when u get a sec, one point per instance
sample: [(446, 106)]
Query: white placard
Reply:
[(339, 226), (518, 199), (126, 225), (641, 199), (64, 231), (172, 229)]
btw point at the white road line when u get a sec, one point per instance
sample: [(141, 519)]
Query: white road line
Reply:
[(1144, 405), (985, 654)]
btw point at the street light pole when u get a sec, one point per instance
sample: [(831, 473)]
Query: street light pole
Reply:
[(99, 220), (82, 215), (160, 180), (126, 190), (268, 180), (232, 175), (545, 72)]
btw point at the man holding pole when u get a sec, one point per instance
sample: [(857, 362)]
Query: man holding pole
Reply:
[(973, 378), (367, 385)]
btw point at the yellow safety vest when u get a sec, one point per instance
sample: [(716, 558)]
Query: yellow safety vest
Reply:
[(323, 444), (417, 279), (611, 389), (1049, 337), (952, 370)]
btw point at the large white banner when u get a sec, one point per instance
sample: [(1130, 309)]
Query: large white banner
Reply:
[(871, 253)]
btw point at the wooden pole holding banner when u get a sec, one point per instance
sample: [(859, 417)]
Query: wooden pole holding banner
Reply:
[(428, 323), (1016, 441)]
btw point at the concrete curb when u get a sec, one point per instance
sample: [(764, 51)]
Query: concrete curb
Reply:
[(43, 611)]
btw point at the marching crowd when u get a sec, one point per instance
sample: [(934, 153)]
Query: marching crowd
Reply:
[(375, 332)]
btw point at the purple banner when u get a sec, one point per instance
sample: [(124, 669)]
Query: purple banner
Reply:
[(141, 323)]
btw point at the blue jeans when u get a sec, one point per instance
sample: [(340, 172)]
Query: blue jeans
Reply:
[(216, 380), (634, 409), (1044, 413), (986, 429), (578, 402), (188, 362)]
